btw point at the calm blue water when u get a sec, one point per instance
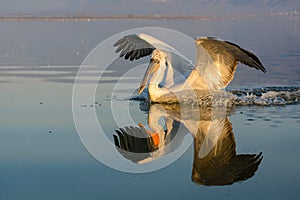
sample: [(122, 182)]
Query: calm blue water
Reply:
[(42, 156)]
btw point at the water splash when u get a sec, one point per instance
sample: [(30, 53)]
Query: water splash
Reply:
[(265, 96)]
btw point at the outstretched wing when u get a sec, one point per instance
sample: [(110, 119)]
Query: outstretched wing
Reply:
[(217, 61), (133, 47), (136, 46)]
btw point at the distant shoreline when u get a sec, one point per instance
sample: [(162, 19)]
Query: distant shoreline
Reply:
[(90, 18), (151, 17)]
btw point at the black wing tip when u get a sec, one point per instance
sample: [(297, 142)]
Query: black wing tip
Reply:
[(258, 64), (124, 38), (116, 44), (255, 62), (263, 69), (132, 55), (116, 140), (258, 158), (126, 45), (119, 42)]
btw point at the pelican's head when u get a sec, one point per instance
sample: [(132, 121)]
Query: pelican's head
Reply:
[(157, 58)]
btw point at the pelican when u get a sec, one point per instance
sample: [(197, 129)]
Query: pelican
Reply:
[(216, 63)]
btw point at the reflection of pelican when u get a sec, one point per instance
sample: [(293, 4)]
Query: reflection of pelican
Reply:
[(216, 63), (215, 159)]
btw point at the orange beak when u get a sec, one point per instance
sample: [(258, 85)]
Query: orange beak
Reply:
[(154, 136)]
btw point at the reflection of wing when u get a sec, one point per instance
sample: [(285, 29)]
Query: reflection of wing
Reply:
[(134, 139), (222, 166), (134, 143), (217, 61)]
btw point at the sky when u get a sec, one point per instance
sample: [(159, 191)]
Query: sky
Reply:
[(143, 7)]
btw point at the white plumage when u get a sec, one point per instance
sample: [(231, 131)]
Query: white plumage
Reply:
[(216, 63)]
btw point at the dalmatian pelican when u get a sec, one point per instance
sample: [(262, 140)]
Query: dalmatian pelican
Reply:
[(216, 63)]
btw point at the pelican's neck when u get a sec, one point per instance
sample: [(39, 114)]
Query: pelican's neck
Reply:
[(154, 90), (170, 74)]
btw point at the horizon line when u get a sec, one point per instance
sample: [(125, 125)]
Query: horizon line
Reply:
[(85, 17)]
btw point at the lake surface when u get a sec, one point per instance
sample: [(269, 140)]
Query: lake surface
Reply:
[(43, 155)]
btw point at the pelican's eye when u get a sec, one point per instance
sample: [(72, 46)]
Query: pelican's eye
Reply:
[(154, 60)]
